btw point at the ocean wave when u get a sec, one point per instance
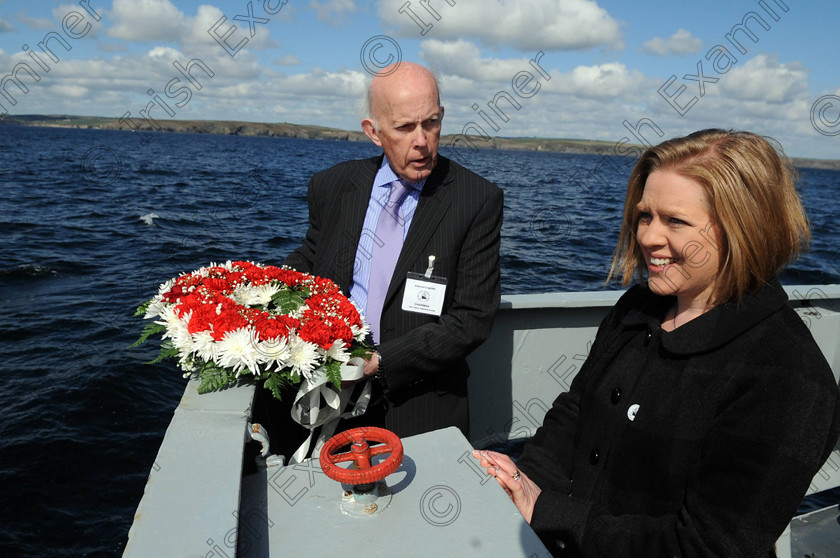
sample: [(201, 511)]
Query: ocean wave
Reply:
[(27, 271)]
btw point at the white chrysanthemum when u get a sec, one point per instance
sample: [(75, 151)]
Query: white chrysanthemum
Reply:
[(156, 307), (303, 357), (204, 346), (274, 352), (175, 326), (249, 295), (237, 351), (338, 352), (183, 341), (360, 333), (167, 286)]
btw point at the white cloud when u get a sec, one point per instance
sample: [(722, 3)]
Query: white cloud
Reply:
[(287, 60), (36, 22), (5, 26), (681, 42), (72, 91), (461, 68), (87, 26), (763, 78), (112, 47), (535, 25), (604, 81), (463, 59), (166, 53), (147, 20), (162, 21), (333, 12)]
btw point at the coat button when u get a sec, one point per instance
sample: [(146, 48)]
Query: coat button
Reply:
[(594, 456), (615, 397)]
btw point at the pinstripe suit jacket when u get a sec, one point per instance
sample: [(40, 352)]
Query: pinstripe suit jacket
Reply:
[(458, 220)]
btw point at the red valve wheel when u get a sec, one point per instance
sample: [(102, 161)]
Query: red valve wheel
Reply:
[(360, 453)]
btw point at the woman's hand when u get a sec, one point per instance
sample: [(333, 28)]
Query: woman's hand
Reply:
[(518, 486)]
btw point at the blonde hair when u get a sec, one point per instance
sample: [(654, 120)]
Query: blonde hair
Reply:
[(750, 189)]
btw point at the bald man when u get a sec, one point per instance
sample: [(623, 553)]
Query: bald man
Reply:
[(429, 316)]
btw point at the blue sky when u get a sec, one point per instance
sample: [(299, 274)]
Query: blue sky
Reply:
[(600, 68)]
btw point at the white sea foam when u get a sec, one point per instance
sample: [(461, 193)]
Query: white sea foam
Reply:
[(149, 218)]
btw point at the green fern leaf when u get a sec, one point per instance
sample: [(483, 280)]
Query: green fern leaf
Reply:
[(288, 300), (141, 310), (276, 384), (214, 378), (150, 329), (333, 369)]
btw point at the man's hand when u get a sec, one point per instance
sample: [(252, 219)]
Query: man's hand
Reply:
[(370, 368), (372, 364)]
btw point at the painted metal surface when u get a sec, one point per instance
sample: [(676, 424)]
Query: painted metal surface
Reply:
[(816, 534), (540, 341), (442, 505), (192, 499)]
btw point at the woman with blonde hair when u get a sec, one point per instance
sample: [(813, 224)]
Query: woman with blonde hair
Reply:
[(705, 407)]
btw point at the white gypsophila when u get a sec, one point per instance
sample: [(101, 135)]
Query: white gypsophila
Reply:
[(297, 313), (204, 346), (250, 295), (338, 352), (274, 352), (187, 365), (303, 357), (237, 351)]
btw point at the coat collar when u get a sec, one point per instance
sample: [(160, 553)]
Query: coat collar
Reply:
[(715, 328)]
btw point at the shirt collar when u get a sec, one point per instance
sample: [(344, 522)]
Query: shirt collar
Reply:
[(385, 175)]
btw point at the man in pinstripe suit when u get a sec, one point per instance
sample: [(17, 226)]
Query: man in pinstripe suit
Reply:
[(419, 370)]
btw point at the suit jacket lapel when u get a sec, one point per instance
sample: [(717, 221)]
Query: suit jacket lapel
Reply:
[(434, 202), (354, 202)]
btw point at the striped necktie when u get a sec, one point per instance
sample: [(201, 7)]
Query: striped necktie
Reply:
[(387, 245)]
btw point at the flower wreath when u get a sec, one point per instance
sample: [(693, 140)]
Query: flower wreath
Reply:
[(277, 324)]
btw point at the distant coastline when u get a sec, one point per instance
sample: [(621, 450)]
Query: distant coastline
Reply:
[(303, 131)]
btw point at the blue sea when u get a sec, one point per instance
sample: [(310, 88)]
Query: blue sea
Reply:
[(92, 221)]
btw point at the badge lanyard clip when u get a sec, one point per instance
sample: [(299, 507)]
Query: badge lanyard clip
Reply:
[(431, 267)]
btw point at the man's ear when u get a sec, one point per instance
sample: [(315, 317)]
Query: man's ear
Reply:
[(370, 131)]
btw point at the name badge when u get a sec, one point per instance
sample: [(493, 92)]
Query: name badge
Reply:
[(424, 294)]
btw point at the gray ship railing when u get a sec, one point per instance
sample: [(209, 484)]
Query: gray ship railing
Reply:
[(191, 504)]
